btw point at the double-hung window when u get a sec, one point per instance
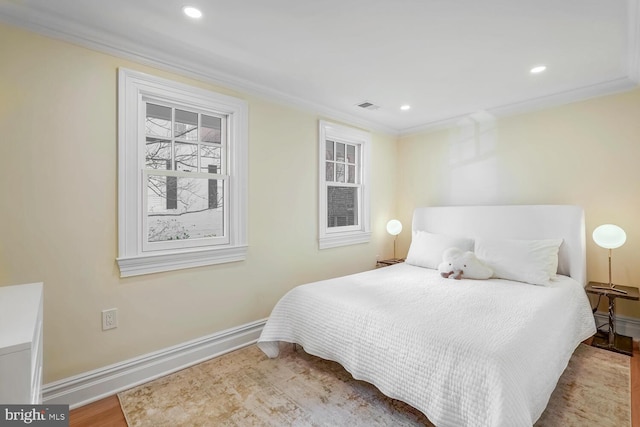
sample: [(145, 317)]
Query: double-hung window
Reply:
[(344, 185), (182, 161)]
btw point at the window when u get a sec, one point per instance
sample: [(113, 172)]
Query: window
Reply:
[(182, 176), (344, 185)]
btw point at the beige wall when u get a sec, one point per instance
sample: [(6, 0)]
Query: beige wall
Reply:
[(585, 153), (59, 191), (58, 219)]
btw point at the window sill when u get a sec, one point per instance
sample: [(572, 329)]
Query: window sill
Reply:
[(344, 239), (160, 262)]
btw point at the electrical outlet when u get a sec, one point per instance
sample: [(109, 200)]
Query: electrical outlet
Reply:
[(109, 319)]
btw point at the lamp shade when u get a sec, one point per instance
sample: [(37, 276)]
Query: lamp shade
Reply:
[(394, 227), (609, 236)]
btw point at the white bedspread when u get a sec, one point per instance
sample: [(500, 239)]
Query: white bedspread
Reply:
[(465, 353)]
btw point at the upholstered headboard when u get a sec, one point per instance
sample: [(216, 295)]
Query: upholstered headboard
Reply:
[(515, 222)]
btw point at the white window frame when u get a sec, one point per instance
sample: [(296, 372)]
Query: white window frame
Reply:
[(330, 237), (133, 257)]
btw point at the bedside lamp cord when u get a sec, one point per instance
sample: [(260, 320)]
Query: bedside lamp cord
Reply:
[(594, 309)]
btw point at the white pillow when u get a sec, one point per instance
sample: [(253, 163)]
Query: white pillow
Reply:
[(426, 248), (529, 261)]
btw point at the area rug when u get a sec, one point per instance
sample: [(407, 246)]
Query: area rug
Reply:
[(245, 388)]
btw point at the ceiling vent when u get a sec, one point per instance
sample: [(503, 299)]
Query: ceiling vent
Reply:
[(368, 105)]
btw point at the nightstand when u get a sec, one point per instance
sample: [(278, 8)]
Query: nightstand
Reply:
[(388, 262), (611, 340)]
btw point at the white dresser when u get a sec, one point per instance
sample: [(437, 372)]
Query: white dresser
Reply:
[(21, 344)]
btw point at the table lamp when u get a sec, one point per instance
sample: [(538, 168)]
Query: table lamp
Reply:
[(610, 237), (394, 227)]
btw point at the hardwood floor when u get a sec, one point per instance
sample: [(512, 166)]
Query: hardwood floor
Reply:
[(103, 413), (107, 412)]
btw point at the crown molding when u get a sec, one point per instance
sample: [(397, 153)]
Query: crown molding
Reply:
[(618, 85), (610, 87), (633, 37), (59, 28)]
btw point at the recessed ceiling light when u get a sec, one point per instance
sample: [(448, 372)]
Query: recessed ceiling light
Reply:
[(192, 12), (405, 107), (538, 69)]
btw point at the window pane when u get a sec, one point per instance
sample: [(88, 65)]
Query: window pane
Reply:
[(210, 159), (329, 171), (329, 155), (351, 153), (186, 157), (198, 211), (339, 152), (339, 172), (158, 122), (210, 129), (351, 177), (159, 194), (186, 126), (158, 154), (342, 206)]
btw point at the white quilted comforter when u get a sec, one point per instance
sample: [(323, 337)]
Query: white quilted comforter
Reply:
[(465, 353)]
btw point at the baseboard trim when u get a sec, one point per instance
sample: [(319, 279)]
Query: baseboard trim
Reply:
[(629, 326), (94, 385)]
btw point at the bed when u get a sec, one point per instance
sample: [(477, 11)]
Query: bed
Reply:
[(464, 352)]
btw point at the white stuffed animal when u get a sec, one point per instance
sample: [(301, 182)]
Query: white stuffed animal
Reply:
[(457, 264)]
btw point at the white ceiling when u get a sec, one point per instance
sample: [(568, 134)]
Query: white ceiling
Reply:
[(445, 58)]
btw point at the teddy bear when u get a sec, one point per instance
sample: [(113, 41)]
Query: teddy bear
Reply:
[(457, 264)]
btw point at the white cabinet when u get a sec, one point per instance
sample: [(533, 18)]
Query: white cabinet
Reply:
[(21, 344)]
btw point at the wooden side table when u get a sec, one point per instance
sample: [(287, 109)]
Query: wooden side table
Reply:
[(388, 262), (612, 340)]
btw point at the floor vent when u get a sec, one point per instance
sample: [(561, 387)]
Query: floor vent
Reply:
[(368, 105)]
